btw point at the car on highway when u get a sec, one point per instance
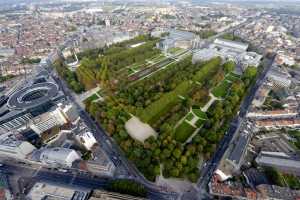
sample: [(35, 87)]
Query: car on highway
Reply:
[(62, 170)]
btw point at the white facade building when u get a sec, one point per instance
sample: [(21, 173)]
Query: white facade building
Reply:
[(68, 111), (58, 156), (47, 121), (281, 59), (11, 146), (229, 51), (237, 46), (58, 117), (43, 191), (87, 139), (177, 38)]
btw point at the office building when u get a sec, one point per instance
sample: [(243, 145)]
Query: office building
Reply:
[(229, 51), (11, 146), (46, 121), (83, 135), (237, 154), (59, 157), (279, 160), (234, 157), (100, 164), (87, 139), (32, 99), (177, 38), (279, 78), (61, 115), (49, 191)]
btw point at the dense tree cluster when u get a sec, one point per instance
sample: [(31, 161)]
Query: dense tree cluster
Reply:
[(161, 100), (177, 160), (168, 100), (274, 176), (284, 180), (69, 76), (101, 64)]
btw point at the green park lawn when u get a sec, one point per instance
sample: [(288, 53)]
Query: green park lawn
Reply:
[(183, 132), (200, 123), (221, 90), (189, 117), (91, 98), (174, 50), (199, 113), (232, 77), (157, 58)]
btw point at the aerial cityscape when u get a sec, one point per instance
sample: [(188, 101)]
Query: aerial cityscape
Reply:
[(158, 100)]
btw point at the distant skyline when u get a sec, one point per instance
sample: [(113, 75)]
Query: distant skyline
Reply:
[(8, 2)]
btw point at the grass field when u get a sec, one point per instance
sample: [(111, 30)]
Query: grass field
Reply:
[(157, 58), (199, 113), (189, 117), (232, 77), (199, 122), (91, 98), (174, 50), (183, 132), (222, 89)]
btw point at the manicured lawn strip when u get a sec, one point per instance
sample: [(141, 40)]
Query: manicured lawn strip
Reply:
[(91, 98), (232, 77), (130, 71), (161, 106), (199, 123), (235, 75), (174, 50), (199, 113), (157, 59), (99, 92), (183, 132), (189, 117), (222, 89)]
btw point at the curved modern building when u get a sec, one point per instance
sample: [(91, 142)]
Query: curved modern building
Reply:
[(30, 100), (32, 96)]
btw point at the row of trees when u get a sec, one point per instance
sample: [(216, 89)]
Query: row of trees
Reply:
[(129, 56), (30, 60), (69, 76), (101, 65), (125, 186), (5, 78)]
